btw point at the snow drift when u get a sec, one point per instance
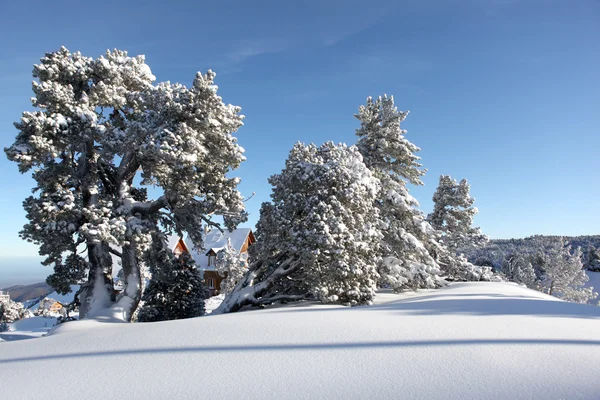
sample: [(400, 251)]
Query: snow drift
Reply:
[(470, 340)]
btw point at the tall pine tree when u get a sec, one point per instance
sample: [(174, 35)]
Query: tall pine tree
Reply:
[(453, 214), (408, 249)]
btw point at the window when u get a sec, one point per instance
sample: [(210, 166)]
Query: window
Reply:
[(212, 260), (210, 282)]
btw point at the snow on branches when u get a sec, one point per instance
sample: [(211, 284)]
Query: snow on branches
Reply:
[(317, 238), (99, 124), (453, 214)]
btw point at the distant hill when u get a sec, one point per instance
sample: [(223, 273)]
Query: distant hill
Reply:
[(22, 293), (496, 250)]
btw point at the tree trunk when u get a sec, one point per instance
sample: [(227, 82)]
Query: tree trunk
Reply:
[(132, 291), (247, 293), (98, 292)]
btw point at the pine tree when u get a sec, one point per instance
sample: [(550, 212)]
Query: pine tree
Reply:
[(231, 265), (591, 260), (11, 311), (453, 214), (3, 323), (175, 290), (100, 125), (518, 268), (560, 272), (317, 238), (408, 249)]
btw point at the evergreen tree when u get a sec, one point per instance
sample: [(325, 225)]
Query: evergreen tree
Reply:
[(560, 272), (101, 124), (231, 265), (453, 214), (408, 249), (591, 260), (518, 268), (317, 238), (11, 311), (175, 290), (3, 323)]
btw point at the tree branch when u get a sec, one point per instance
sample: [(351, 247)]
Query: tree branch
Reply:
[(283, 297), (151, 207), (115, 252)]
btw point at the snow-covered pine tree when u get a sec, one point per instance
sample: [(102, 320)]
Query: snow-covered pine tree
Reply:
[(518, 268), (408, 249), (99, 125), (560, 272), (231, 265), (591, 260), (12, 311), (175, 290), (317, 239), (3, 323), (453, 214)]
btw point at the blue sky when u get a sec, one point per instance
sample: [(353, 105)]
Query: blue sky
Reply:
[(501, 92)]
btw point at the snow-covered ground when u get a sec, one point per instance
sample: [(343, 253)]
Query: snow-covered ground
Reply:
[(212, 303), (471, 340), (28, 328)]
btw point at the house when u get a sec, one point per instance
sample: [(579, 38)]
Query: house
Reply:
[(4, 297), (214, 241), (55, 307)]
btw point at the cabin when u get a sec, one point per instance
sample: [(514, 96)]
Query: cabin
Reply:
[(55, 307), (214, 241)]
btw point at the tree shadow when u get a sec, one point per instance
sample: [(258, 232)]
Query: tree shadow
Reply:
[(309, 347), (10, 337), (484, 304)]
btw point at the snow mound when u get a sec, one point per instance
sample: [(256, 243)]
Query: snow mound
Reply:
[(470, 340), (28, 328)]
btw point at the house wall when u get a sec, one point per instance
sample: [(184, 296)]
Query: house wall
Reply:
[(181, 248), (218, 279)]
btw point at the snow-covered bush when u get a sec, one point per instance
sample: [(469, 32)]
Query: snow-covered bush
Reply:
[(99, 126), (318, 237), (11, 311)]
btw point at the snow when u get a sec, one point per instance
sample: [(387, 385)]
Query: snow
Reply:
[(470, 340), (28, 328), (212, 303), (172, 241), (216, 240), (594, 282)]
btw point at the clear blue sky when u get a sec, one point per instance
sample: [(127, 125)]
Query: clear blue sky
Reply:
[(502, 92)]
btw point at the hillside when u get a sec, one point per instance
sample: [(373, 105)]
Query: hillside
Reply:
[(471, 340), (23, 293)]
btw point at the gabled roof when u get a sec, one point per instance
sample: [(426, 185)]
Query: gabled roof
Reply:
[(214, 240)]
